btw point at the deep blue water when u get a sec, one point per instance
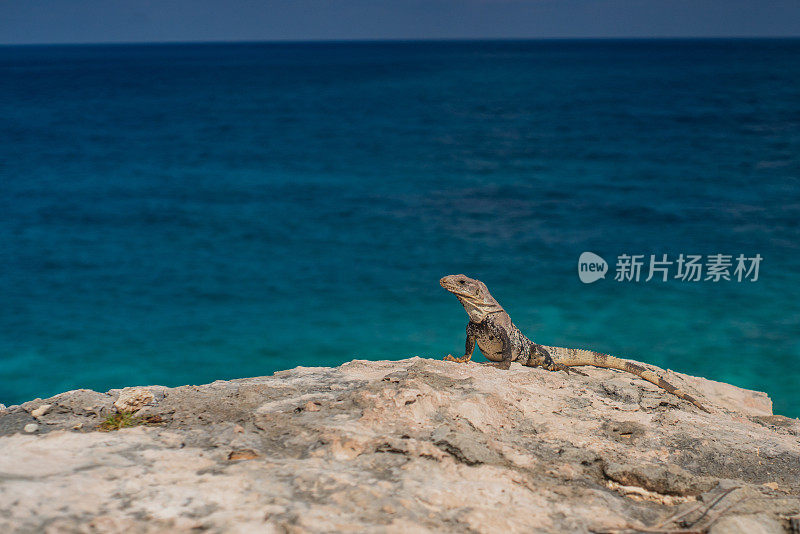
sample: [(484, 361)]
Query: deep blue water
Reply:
[(184, 213)]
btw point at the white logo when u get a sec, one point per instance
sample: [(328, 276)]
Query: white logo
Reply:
[(591, 267)]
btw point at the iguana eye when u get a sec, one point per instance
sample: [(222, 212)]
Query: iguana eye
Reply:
[(462, 282)]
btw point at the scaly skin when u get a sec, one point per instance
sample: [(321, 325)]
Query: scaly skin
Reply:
[(501, 341)]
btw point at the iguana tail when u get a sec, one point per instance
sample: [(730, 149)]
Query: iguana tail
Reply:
[(576, 357)]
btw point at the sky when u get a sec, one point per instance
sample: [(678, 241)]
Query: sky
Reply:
[(105, 21)]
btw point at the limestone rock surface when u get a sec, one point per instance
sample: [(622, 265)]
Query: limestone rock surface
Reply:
[(415, 445)]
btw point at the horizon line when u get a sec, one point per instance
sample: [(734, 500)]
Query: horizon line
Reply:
[(411, 40)]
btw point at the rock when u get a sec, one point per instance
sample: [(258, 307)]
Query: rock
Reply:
[(41, 410), (133, 399), (243, 454), (414, 445), (311, 406), (747, 524), (30, 428), (664, 479)]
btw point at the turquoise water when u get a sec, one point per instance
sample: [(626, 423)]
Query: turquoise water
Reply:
[(184, 213)]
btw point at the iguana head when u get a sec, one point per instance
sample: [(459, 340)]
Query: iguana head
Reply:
[(472, 294)]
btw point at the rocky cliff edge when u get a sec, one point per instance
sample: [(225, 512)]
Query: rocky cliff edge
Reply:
[(415, 445)]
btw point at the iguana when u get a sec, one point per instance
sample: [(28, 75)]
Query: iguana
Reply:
[(501, 341)]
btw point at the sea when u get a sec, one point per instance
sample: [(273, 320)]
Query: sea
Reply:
[(181, 213)]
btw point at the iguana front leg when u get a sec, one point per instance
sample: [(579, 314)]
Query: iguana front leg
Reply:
[(507, 352), (469, 349)]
